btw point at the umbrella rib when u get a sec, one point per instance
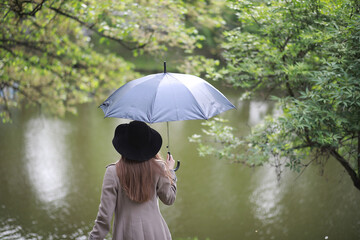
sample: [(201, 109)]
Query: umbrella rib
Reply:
[(196, 102), (151, 120)]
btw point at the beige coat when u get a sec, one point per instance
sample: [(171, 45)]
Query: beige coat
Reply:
[(133, 221)]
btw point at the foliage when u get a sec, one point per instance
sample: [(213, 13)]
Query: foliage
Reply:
[(276, 44), (220, 134), (221, 142), (49, 59), (308, 51), (198, 65)]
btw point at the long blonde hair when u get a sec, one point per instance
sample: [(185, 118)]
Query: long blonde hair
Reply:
[(137, 179)]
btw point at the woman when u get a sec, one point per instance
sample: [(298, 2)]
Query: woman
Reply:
[(132, 186)]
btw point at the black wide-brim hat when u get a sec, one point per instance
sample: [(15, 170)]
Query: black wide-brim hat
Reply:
[(137, 141)]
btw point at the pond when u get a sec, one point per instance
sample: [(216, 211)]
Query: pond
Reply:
[(51, 174)]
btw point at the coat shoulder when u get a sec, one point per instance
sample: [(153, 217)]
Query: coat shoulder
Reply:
[(161, 163), (111, 164)]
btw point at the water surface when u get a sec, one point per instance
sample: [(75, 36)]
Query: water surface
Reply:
[(51, 174)]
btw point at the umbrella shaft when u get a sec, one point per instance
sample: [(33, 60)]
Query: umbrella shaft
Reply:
[(168, 137)]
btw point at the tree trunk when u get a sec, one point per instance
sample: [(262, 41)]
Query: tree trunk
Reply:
[(353, 175)]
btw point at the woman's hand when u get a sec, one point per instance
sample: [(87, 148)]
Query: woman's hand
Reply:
[(170, 162)]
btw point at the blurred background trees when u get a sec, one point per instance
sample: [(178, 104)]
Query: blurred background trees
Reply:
[(57, 54), (302, 54)]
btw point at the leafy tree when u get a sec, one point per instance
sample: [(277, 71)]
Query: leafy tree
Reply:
[(49, 57), (307, 52)]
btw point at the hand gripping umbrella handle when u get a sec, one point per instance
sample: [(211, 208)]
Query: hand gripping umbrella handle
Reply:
[(177, 164)]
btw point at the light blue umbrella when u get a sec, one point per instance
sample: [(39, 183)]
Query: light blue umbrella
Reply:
[(165, 97)]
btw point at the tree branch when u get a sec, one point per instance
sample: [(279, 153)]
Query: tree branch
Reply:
[(23, 42), (282, 47), (36, 9), (18, 8), (288, 87), (358, 157), (257, 23), (305, 167), (302, 53), (354, 177), (94, 29), (32, 45), (7, 49)]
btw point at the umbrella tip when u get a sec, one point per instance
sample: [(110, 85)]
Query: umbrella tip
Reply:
[(164, 66)]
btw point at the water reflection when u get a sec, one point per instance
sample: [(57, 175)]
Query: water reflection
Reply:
[(267, 196), (46, 154), (257, 112), (63, 165)]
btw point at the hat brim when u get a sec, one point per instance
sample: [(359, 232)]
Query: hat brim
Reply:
[(137, 153)]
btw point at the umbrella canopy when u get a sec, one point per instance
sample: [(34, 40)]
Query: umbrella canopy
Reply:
[(165, 97)]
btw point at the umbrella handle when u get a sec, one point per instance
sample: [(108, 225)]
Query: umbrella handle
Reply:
[(177, 164)]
